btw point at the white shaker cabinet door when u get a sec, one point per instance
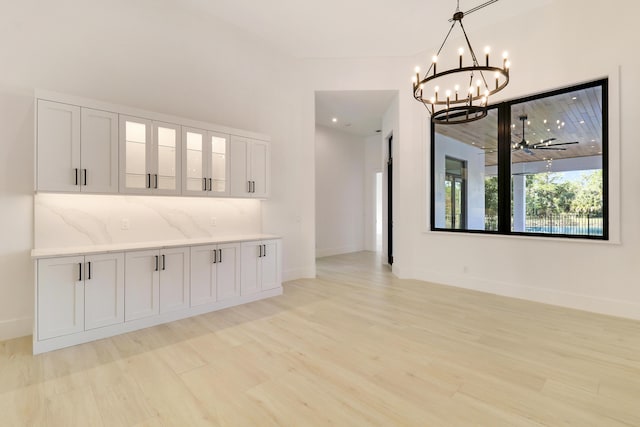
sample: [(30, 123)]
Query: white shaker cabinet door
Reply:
[(228, 271), (60, 296), (99, 151), (142, 284), (104, 290), (249, 275), (203, 275), (58, 147), (174, 279)]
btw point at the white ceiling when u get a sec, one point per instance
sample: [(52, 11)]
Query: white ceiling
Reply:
[(354, 28), (359, 112)]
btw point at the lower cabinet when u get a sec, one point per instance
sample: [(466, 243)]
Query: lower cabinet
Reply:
[(79, 293), (157, 281), (84, 298), (261, 261), (215, 273)]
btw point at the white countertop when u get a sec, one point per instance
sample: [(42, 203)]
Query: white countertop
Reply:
[(121, 247)]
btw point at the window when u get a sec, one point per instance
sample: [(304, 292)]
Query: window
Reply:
[(533, 166)]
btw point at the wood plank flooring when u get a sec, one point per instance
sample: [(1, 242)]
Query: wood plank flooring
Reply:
[(354, 347)]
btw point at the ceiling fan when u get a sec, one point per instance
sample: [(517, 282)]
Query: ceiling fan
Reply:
[(542, 145)]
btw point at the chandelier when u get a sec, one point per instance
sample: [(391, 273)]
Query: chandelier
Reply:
[(460, 94)]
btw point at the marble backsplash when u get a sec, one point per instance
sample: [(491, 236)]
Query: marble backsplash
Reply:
[(69, 220)]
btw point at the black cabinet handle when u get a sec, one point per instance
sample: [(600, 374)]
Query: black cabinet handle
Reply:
[(156, 185), (210, 186), (79, 272), (156, 263), (249, 184), (85, 177), (265, 250), (164, 263), (148, 180), (89, 270), (259, 251), (215, 256), (76, 169), (204, 184), (220, 250), (254, 186)]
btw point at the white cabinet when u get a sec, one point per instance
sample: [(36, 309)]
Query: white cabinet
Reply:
[(249, 167), (77, 149), (215, 273), (174, 279), (205, 163), (156, 282), (103, 290), (149, 157), (261, 270), (79, 293), (98, 151)]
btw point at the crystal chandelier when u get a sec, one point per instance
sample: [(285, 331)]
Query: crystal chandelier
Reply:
[(461, 93)]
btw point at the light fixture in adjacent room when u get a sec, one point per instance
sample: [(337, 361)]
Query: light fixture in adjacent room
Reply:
[(460, 94)]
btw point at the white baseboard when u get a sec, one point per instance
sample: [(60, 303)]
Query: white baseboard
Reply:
[(322, 252), (16, 328), (583, 302), (299, 273)]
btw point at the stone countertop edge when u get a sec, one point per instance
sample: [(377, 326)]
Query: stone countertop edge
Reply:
[(135, 246)]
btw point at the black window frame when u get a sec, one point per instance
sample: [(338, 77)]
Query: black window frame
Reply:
[(504, 166)]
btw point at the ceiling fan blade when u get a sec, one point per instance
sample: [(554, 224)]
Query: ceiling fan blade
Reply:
[(546, 140), (562, 143), (549, 148)]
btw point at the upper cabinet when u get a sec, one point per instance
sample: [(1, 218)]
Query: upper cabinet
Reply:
[(77, 149), (249, 167), (205, 163), (92, 150), (149, 157)]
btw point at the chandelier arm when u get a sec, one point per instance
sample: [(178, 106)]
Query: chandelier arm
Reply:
[(473, 55), (442, 46)]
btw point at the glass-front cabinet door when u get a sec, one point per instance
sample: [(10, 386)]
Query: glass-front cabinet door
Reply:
[(149, 156), (194, 162), (205, 163), (166, 159), (135, 151), (219, 170)]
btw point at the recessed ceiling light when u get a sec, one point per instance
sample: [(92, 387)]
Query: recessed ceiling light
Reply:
[(574, 98), (593, 140), (581, 122), (545, 121), (548, 130), (334, 120)]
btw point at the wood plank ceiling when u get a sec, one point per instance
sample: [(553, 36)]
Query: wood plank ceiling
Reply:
[(568, 117)]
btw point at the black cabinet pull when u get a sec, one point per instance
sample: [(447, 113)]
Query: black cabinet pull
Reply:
[(89, 270), (220, 250), (76, 169), (210, 186), (254, 186), (164, 262), (249, 184), (265, 250), (215, 256), (156, 185), (156, 263), (148, 180), (79, 272), (259, 251), (204, 184), (85, 177)]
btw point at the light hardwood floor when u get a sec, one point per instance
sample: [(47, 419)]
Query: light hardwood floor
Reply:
[(354, 347)]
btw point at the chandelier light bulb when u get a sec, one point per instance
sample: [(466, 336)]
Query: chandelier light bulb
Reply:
[(428, 86), (507, 64), (505, 54)]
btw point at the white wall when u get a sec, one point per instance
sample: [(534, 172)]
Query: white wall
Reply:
[(160, 56), (449, 147), (553, 52), (340, 166), (372, 165)]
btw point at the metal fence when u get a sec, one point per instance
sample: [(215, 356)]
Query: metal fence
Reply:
[(566, 223)]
